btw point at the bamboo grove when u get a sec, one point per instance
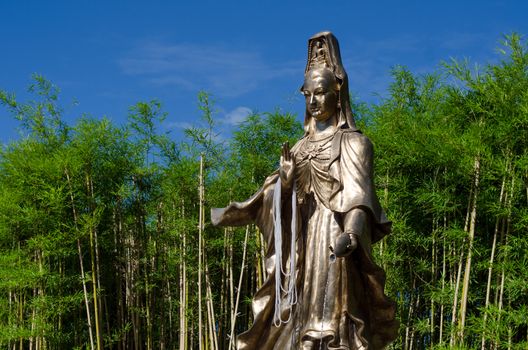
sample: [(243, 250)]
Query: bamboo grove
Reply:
[(106, 241)]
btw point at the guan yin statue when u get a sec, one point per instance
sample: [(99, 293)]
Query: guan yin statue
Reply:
[(319, 215)]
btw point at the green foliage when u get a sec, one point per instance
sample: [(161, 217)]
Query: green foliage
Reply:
[(122, 202)]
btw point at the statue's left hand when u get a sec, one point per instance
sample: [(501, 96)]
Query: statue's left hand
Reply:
[(345, 244), (287, 165)]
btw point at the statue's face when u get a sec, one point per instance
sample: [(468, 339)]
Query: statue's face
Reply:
[(320, 92)]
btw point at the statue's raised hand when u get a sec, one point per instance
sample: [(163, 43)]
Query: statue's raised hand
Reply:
[(287, 165)]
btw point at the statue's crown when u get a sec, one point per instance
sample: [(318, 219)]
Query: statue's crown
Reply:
[(318, 55)]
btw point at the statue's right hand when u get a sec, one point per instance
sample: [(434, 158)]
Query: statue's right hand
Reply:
[(287, 165)]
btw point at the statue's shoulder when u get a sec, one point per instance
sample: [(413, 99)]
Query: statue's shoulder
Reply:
[(354, 138), (298, 144)]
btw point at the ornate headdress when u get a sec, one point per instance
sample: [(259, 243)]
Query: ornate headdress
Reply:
[(323, 52)]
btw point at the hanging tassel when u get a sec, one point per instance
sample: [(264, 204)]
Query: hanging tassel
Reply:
[(290, 298)]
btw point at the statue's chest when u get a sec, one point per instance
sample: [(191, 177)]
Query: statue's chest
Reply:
[(312, 162)]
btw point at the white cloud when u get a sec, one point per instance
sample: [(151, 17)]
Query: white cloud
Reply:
[(237, 115), (178, 125), (223, 70)]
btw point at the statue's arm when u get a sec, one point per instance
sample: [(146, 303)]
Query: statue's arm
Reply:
[(249, 211), (357, 174)]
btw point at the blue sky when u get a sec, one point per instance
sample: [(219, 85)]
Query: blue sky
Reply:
[(250, 55)]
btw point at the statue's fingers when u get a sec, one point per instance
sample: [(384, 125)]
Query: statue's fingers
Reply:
[(284, 151)]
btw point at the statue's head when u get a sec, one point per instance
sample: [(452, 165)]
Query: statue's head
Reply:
[(321, 91), (326, 84)]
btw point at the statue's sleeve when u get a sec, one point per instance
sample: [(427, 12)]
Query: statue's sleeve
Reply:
[(257, 209), (354, 185)]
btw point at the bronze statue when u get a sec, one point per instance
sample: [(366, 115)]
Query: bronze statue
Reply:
[(319, 214)]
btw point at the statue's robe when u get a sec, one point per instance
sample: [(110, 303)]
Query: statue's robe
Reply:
[(341, 302)]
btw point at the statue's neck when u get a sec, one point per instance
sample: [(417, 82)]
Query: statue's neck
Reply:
[(324, 128)]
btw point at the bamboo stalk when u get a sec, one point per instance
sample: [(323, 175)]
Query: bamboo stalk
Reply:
[(183, 286), (503, 270), (231, 279), (409, 317), (97, 258), (222, 322), (235, 310), (491, 261), (213, 338), (81, 265), (94, 290), (413, 330), (471, 237), (452, 340), (444, 248), (200, 233), (433, 281)]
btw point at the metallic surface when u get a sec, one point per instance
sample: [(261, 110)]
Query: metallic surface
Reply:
[(341, 301)]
